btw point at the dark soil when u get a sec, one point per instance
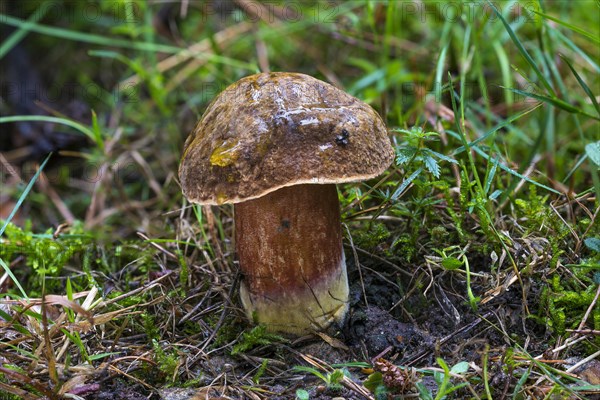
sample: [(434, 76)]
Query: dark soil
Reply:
[(412, 332), (117, 389)]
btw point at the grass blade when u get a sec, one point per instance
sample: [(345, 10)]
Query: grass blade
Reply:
[(592, 150), (569, 43), (13, 277), (522, 50), (554, 101), (97, 131), (582, 84), (512, 172), (490, 177), (24, 194), (439, 69), (441, 62), (445, 381), (569, 26), (502, 166), (496, 128), (406, 182), (57, 120), (16, 37), (87, 37), (506, 72), (116, 42)]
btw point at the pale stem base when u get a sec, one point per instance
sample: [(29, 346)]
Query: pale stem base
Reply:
[(289, 245)]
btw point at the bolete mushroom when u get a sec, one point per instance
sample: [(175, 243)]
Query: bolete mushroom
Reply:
[(275, 145)]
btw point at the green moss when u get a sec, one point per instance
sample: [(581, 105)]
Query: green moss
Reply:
[(44, 254), (184, 271), (404, 247), (257, 336), (150, 327), (575, 299), (371, 235), (564, 308), (167, 362)]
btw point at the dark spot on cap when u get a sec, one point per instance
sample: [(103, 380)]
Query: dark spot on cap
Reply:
[(343, 138)]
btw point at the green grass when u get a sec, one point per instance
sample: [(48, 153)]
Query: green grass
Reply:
[(494, 114)]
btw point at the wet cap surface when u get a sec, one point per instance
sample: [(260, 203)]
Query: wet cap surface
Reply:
[(272, 130)]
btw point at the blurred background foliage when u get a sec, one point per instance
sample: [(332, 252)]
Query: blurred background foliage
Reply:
[(148, 69)]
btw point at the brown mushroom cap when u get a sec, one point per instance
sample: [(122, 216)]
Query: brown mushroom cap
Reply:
[(272, 130)]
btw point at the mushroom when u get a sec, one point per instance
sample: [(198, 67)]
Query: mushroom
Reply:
[(275, 145)]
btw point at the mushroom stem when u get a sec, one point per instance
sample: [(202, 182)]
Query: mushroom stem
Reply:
[(289, 246)]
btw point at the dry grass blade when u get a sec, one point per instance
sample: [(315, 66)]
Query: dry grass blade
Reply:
[(134, 292), (348, 383), (50, 358), (583, 362), (51, 299), (26, 380), (149, 174), (491, 294), (585, 331), (157, 246), (589, 310), (211, 224), (60, 205), (361, 390), (129, 376), (221, 317), (23, 394), (201, 48), (360, 274), (333, 342), (98, 201), (65, 302)]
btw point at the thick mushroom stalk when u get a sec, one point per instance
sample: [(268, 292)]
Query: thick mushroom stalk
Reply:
[(289, 246)]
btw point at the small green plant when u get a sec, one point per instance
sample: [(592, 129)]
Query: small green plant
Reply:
[(417, 158), (445, 385), (168, 362), (566, 298), (452, 258), (257, 336), (261, 371), (415, 153), (422, 170), (302, 394), (374, 383), (332, 380)]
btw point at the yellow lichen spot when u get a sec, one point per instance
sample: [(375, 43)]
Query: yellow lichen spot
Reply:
[(221, 198), (225, 154)]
